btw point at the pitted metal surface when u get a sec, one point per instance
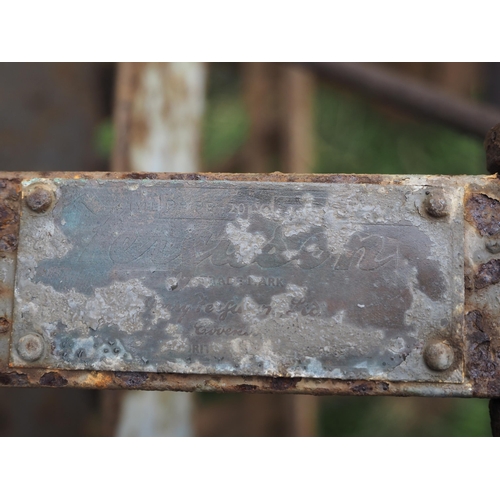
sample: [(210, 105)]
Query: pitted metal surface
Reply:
[(10, 199), (338, 281)]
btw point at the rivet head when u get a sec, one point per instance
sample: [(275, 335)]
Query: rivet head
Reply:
[(493, 247), (436, 205), (30, 347), (39, 199), (438, 355)]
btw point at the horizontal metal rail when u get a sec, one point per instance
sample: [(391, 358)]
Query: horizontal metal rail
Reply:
[(410, 95), (317, 284)]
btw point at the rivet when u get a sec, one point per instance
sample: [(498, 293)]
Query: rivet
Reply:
[(438, 355), (435, 205), (30, 347), (493, 247), (39, 199)]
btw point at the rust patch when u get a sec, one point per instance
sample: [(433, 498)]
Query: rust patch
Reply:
[(363, 388), (262, 385), (159, 176), (283, 384), (338, 179), (8, 243), (99, 380), (368, 387), (53, 379), (487, 274), (132, 380), (186, 177), (481, 365), (9, 214), (483, 213), (140, 175), (14, 379), (319, 178), (246, 388)]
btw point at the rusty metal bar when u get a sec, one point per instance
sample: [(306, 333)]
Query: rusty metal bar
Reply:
[(410, 95), (442, 235)]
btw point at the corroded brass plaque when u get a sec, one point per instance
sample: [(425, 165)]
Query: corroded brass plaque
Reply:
[(274, 279)]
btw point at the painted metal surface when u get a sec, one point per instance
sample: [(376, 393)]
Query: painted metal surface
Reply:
[(158, 116), (437, 224)]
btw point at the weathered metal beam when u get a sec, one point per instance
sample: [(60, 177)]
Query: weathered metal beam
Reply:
[(411, 96), (315, 284)]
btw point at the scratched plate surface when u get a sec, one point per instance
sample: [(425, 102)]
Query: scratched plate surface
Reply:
[(281, 279)]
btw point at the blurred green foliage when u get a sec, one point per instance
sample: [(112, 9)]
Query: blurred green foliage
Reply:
[(386, 416), (103, 139), (353, 135), (226, 123)]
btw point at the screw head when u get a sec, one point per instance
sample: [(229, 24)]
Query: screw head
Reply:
[(435, 205), (438, 355), (30, 347), (39, 199)]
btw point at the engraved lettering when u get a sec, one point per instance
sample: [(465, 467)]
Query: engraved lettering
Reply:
[(230, 307), (305, 308), (228, 332), (199, 349)]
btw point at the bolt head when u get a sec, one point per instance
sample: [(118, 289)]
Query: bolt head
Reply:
[(493, 247), (30, 347), (39, 199), (438, 355), (436, 206)]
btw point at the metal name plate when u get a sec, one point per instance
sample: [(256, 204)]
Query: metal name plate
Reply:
[(312, 280)]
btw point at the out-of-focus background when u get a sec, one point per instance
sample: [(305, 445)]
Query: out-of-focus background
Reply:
[(240, 117)]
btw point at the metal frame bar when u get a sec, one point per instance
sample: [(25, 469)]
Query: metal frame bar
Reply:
[(410, 95)]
